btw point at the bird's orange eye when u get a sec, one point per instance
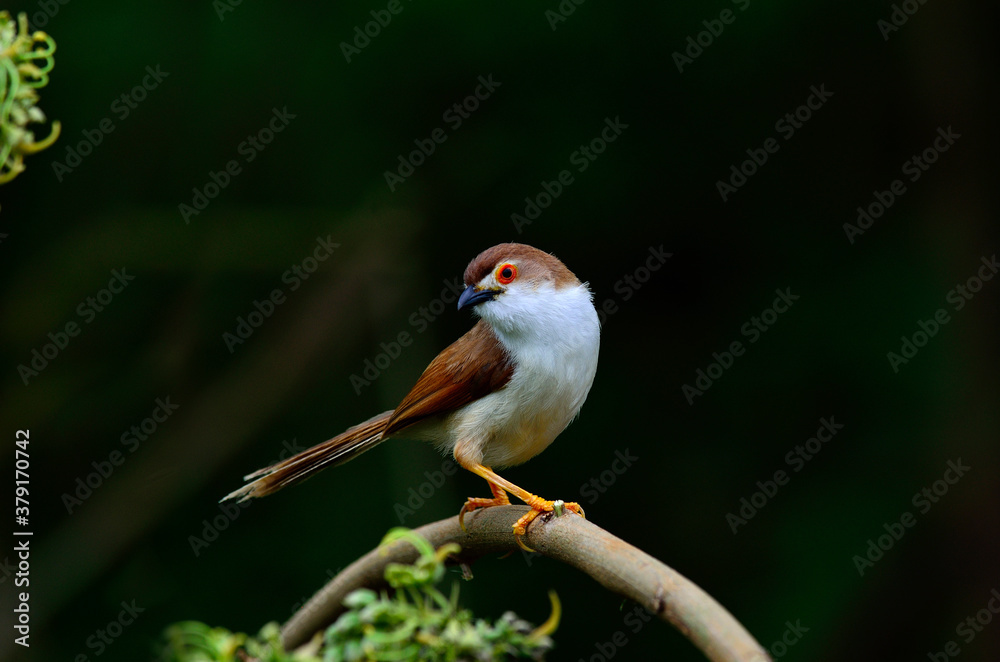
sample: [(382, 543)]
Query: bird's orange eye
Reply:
[(506, 274)]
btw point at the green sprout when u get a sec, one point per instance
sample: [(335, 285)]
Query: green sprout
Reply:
[(191, 641), (25, 62), (418, 622)]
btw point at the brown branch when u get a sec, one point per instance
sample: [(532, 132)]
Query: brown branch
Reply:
[(616, 565)]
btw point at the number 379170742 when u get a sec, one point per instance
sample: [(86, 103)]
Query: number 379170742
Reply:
[(21, 475)]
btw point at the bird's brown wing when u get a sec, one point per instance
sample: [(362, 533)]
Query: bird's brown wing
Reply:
[(472, 367)]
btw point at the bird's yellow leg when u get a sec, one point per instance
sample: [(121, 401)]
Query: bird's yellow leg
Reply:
[(499, 499), (538, 505)]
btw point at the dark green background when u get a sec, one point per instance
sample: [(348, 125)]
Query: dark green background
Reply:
[(655, 186)]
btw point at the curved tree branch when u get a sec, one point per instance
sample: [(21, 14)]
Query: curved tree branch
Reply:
[(612, 562)]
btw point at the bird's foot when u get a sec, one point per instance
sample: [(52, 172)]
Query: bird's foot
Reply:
[(500, 498), (539, 506)]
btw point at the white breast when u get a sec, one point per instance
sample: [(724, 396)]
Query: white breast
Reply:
[(553, 335)]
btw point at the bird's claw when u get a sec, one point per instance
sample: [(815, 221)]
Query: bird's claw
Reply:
[(520, 543), (539, 506), (473, 503)]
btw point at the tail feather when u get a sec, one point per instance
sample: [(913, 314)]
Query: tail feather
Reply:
[(342, 448)]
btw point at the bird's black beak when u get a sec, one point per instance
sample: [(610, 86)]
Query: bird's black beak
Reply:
[(471, 297)]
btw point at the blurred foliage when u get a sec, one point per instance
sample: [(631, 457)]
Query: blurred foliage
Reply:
[(25, 62), (418, 623), (192, 641)]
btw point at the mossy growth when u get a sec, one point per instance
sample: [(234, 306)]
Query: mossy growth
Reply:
[(417, 622)]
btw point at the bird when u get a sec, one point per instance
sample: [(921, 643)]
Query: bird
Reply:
[(494, 398)]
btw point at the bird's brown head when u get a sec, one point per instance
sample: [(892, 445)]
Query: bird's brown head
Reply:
[(521, 291), (517, 267)]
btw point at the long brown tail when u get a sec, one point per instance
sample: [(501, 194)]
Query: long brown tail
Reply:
[(342, 448)]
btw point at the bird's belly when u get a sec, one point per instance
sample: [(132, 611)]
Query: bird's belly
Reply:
[(516, 423), (522, 439)]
